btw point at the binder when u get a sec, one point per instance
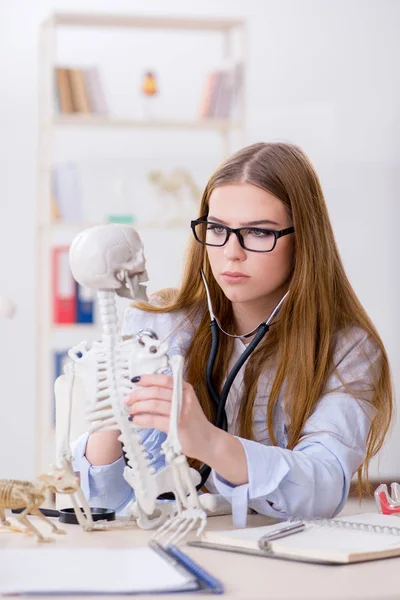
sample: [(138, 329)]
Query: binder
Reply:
[(60, 358), (64, 301), (84, 304)]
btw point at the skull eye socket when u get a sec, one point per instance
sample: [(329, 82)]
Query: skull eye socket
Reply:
[(153, 349), (141, 342)]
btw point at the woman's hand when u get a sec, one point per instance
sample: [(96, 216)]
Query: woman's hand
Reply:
[(150, 406)]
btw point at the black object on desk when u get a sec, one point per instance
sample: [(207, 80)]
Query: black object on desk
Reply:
[(67, 515), (47, 512)]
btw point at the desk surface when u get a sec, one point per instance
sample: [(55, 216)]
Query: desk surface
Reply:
[(245, 577)]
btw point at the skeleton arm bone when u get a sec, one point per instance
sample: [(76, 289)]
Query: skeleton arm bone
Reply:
[(64, 455)]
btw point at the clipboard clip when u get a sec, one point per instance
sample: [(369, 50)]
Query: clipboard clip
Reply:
[(288, 529)]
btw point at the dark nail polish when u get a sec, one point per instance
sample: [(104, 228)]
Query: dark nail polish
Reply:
[(135, 379), (130, 418)]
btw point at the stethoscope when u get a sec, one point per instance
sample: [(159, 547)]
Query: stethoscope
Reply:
[(220, 399)]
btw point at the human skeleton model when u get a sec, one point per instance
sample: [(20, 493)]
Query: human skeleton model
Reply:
[(29, 496), (109, 258)]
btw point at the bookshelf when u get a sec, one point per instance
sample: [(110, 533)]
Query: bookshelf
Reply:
[(50, 335)]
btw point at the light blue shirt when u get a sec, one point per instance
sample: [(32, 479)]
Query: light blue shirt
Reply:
[(313, 479)]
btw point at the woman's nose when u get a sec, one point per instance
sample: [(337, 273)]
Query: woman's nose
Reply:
[(233, 250)]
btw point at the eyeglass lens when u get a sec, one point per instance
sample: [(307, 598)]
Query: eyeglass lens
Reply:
[(213, 234)]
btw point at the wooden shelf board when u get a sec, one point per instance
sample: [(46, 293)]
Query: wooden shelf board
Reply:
[(143, 21), (159, 227), (102, 121)]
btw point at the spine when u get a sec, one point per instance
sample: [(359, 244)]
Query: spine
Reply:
[(140, 474)]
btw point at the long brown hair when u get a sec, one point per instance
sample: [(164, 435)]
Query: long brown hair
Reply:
[(320, 303)]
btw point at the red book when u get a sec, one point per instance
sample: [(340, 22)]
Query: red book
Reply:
[(64, 301)]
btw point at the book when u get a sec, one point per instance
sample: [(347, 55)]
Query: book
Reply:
[(146, 569), (63, 91), (84, 304), (60, 359), (80, 96), (208, 91), (63, 289), (95, 91), (221, 92), (343, 540), (67, 192)]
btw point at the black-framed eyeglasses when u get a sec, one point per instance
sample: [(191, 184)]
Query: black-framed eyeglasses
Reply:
[(254, 239)]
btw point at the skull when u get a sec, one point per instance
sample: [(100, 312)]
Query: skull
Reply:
[(110, 257), (60, 480)]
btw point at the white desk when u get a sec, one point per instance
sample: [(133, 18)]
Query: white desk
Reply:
[(245, 577)]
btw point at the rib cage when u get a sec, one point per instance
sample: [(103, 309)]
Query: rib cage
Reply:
[(13, 492), (106, 369)]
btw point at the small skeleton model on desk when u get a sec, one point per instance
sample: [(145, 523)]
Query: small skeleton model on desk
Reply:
[(110, 259), (15, 494), (26, 495)]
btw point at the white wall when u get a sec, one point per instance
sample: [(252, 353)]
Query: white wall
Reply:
[(321, 74)]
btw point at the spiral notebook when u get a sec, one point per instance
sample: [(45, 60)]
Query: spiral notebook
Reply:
[(151, 569), (343, 540)]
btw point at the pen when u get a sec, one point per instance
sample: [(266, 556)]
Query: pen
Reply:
[(290, 529)]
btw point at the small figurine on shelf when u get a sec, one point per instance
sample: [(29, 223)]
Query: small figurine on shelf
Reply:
[(177, 194), (149, 90)]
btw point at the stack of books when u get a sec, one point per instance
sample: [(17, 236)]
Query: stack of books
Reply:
[(72, 302), (79, 91), (221, 92)]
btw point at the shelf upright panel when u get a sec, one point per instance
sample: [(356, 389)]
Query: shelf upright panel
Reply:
[(43, 430)]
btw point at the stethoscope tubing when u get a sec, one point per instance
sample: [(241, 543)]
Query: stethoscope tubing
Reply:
[(221, 420)]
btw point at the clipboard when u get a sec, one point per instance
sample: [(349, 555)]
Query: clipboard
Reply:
[(152, 569), (180, 560)]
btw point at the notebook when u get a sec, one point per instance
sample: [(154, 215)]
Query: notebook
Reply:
[(147, 569), (343, 540)]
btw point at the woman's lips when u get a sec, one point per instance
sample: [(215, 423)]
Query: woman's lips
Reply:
[(234, 277)]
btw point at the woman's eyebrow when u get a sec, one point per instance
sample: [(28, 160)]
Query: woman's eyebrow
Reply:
[(262, 222)]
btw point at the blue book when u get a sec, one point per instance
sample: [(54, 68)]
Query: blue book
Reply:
[(60, 357), (84, 304)]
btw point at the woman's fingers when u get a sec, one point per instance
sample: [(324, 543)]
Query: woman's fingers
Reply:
[(152, 421), (159, 407), (156, 379), (148, 393)]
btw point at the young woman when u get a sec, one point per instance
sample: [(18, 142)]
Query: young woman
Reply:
[(313, 402)]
